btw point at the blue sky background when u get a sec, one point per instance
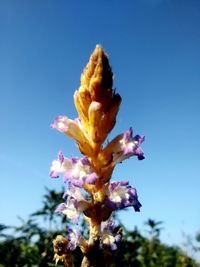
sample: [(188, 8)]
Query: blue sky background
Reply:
[(154, 49)]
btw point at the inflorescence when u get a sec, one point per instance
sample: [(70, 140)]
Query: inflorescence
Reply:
[(89, 189)]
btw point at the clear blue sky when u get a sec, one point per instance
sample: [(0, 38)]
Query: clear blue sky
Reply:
[(154, 48)]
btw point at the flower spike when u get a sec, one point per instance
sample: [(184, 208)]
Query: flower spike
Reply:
[(89, 189)]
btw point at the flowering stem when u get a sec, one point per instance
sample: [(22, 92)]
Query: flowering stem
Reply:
[(89, 190), (93, 257), (94, 232)]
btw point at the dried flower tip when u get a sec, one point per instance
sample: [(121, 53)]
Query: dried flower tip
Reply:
[(60, 245)]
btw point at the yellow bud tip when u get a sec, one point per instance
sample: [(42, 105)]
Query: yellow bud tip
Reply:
[(97, 77), (95, 100)]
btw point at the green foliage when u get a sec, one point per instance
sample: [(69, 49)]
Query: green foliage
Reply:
[(30, 245)]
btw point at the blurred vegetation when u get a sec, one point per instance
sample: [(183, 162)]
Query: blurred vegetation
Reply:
[(31, 243)]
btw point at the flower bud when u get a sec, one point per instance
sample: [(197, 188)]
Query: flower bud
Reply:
[(96, 102)]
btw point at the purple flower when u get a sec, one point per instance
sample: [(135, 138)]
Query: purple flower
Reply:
[(121, 195), (76, 171), (109, 237), (130, 144), (123, 147), (74, 204), (72, 128), (61, 123), (81, 172), (59, 165), (73, 237)]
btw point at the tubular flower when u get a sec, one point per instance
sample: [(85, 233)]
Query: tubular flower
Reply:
[(110, 237), (69, 127), (73, 129), (59, 165), (74, 237), (122, 147), (80, 173), (74, 204), (121, 195), (76, 171)]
